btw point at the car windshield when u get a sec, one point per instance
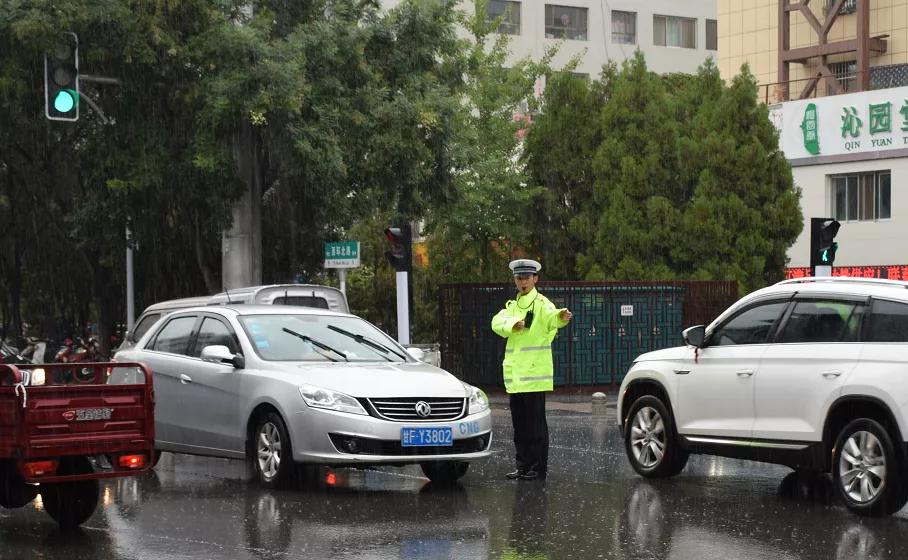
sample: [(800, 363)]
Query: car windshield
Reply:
[(319, 338)]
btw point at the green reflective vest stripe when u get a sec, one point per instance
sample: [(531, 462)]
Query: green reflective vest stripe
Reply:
[(527, 365)]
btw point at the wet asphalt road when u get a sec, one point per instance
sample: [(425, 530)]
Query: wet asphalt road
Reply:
[(591, 506)]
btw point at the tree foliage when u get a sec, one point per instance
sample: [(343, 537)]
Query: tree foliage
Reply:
[(668, 177)]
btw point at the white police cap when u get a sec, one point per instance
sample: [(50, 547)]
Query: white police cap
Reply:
[(525, 266)]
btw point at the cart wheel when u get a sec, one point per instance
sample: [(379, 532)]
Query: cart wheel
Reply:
[(71, 503), (14, 492)]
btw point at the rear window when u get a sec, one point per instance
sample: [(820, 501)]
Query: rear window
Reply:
[(305, 301), (143, 325), (888, 322)]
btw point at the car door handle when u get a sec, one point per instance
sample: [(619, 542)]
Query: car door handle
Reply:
[(745, 372), (184, 379), (682, 371), (831, 374)]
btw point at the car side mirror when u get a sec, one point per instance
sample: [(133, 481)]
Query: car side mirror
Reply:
[(694, 336), (218, 354), (416, 354)]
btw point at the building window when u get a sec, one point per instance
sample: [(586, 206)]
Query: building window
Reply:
[(845, 73), (672, 31), (712, 35), (624, 27), (509, 12), (849, 7), (565, 22), (863, 197)]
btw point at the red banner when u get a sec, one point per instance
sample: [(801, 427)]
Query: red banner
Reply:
[(889, 272)]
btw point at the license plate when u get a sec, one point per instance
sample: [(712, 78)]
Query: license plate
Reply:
[(415, 437)]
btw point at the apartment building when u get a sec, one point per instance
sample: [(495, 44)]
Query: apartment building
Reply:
[(674, 35), (835, 73)]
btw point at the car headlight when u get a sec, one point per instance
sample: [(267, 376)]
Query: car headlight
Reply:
[(317, 397), (478, 399)]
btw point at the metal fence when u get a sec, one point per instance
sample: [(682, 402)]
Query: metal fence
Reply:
[(613, 323)]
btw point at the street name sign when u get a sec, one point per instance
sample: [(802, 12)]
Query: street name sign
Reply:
[(342, 254)]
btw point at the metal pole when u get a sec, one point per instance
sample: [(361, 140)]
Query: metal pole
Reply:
[(342, 276), (130, 288), (403, 309)]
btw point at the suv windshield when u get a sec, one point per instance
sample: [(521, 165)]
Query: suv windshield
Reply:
[(318, 338)]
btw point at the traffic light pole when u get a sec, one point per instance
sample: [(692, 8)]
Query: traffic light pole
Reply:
[(403, 308)]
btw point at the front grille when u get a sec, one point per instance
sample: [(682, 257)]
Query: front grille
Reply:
[(365, 446), (404, 409)]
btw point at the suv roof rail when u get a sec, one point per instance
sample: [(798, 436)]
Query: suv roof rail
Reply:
[(846, 280)]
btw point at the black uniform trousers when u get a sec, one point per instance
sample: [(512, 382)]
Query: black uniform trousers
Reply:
[(531, 432)]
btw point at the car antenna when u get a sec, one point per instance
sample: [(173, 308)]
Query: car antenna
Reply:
[(228, 297)]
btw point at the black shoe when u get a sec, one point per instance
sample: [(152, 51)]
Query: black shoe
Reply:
[(515, 475), (531, 475)]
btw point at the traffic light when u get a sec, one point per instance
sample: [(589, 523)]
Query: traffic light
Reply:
[(400, 256), (822, 246), (61, 80)]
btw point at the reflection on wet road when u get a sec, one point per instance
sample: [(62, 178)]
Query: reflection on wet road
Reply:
[(592, 506)]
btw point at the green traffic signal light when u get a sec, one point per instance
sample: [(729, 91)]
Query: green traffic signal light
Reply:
[(65, 101), (827, 254)]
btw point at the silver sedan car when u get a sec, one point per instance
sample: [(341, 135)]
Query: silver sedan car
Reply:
[(291, 387)]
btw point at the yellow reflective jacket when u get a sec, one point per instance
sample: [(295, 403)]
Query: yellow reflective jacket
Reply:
[(527, 361)]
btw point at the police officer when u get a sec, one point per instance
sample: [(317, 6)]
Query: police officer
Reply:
[(530, 323)]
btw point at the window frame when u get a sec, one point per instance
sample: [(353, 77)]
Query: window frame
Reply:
[(715, 35), (198, 329), (855, 301), (666, 19), (867, 317), (584, 15), (634, 23), (506, 23), (785, 299), (189, 342), (859, 202)]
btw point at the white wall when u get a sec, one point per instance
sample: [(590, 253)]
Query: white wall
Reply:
[(599, 49), (860, 243)]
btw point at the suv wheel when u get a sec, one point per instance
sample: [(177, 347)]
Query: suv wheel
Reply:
[(867, 470), (650, 441)]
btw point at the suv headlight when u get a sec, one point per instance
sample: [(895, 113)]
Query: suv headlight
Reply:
[(317, 397), (478, 399)]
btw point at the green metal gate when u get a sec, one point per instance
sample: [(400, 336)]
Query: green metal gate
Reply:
[(613, 324)]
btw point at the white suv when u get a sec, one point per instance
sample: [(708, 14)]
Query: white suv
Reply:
[(809, 373)]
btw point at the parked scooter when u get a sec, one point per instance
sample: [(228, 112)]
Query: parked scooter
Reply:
[(75, 351)]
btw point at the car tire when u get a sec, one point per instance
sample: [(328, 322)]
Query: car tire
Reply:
[(650, 440), (271, 452), (868, 469), (71, 503), (444, 473), (155, 457)]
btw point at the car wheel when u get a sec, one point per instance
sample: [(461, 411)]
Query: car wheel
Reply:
[(650, 441), (71, 503), (444, 473), (272, 456), (155, 457), (867, 470)]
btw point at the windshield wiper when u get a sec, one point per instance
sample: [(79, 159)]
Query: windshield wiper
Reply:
[(317, 344), (369, 342)]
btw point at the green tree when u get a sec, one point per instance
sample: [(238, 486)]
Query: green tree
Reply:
[(687, 180), (486, 219)]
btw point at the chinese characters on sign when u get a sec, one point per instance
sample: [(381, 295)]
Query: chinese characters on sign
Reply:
[(852, 123), (887, 272), (342, 254)]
